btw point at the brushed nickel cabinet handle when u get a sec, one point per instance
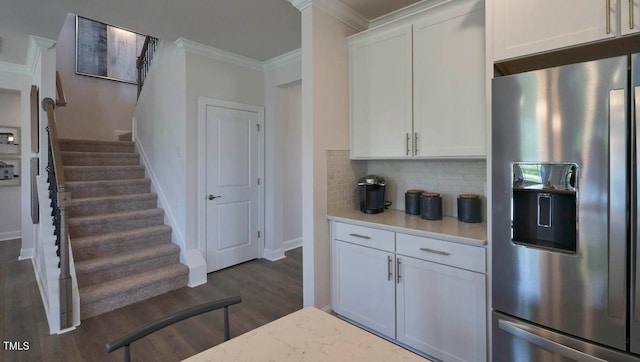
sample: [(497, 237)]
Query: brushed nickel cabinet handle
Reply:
[(608, 13), (408, 144), (435, 251), (631, 20), (389, 260), (360, 236), (415, 143), (398, 262)]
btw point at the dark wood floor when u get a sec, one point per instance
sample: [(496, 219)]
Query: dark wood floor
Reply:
[(269, 290)]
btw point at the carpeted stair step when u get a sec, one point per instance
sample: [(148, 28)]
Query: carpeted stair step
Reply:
[(112, 204), (99, 158), (105, 245), (110, 223), (96, 146), (84, 189), (99, 173), (105, 297), (105, 269)]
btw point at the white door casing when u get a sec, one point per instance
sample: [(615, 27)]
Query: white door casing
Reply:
[(230, 191)]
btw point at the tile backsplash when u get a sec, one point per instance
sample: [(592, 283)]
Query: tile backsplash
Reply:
[(447, 177), (342, 175)]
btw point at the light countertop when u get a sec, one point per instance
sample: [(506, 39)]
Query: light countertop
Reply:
[(306, 335), (449, 228)]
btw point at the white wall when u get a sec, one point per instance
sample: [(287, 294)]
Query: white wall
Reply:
[(160, 130), (292, 172), (10, 215), (208, 77), (96, 107), (283, 161), (325, 126)]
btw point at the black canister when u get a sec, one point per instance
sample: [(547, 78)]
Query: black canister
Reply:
[(412, 202), (431, 206), (469, 208)]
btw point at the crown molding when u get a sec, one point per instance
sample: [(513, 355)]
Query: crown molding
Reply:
[(218, 54), (338, 10), (36, 45), (420, 7), (284, 59), (34, 51), (14, 68)]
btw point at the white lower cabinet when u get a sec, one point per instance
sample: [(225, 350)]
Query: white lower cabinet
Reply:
[(363, 287), (441, 310), (425, 293)]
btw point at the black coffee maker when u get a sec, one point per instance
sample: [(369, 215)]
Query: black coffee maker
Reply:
[(371, 191)]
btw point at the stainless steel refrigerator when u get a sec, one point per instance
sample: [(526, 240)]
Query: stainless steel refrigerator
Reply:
[(565, 204)]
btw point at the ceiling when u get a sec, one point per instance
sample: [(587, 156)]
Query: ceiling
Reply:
[(258, 29)]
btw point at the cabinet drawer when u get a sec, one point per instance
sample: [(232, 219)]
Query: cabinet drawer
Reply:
[(443, 252), (361, 235)]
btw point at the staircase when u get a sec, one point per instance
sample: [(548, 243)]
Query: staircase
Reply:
[(121, 248)]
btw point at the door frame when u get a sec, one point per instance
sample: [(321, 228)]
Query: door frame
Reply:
[(203, 103)]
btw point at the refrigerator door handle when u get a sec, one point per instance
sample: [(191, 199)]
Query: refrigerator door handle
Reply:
[(617, 202), (525, 333), (636, 270)]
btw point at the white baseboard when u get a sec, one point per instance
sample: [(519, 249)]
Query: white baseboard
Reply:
[(26, 254), (326, 309), (292, 244), (191, 258), (10, 235), (273, 255)]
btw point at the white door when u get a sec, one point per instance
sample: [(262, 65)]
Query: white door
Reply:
[(232, 190)]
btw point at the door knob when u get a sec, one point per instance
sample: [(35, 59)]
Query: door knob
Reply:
[(211, 197)]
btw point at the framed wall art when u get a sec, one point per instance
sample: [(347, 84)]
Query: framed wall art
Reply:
[(106, 51), (35, 119), (9, 141)]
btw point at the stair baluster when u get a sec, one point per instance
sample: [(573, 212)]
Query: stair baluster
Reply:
[(144, 60), (59, 202)]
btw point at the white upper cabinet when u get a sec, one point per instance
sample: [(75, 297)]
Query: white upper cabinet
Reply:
[(629, 16), (381, 113), (417, 85), (448, 86), (524, 27)]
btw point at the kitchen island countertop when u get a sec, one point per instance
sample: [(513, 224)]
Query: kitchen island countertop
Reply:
[(307, 335), (449, 228)]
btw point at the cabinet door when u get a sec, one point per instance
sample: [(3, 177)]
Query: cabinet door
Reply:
[(362, 286), (449, 86), (441, 310), (381, 114), (629, 16), (524, 27)]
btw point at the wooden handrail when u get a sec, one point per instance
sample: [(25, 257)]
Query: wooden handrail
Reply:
[(145, 47), (49, 106), (126, 340), (62, 200), (61, 100)]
